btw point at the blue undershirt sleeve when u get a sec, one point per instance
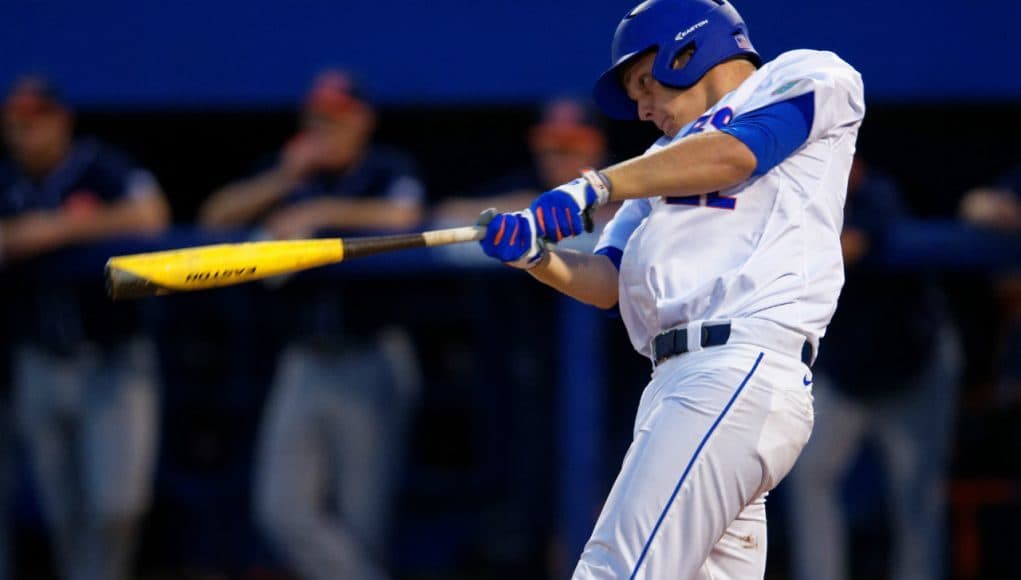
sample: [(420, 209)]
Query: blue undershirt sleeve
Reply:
[(775, 131), (614, 254)]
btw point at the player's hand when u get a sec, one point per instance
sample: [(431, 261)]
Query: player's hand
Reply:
[(33, 233), (301, 155), (566, 211), (993, 208), (510, 238)]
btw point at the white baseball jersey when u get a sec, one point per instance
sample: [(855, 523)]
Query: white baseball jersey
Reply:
[(768, 248)]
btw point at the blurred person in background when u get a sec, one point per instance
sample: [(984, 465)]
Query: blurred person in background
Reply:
[(332, 433), (84, 374), (998, 207), (889, 372), (6, 447), (567, 138)]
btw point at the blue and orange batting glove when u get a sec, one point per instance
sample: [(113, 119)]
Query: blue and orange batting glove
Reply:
[(510, 238), (565, 212)]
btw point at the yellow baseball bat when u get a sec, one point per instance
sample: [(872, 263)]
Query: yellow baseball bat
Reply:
[(198, 268)]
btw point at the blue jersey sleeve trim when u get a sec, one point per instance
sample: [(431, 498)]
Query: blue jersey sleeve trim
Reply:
[(614, 254), (775, 131)]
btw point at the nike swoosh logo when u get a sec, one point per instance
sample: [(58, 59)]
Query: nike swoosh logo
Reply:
[(806, 380)]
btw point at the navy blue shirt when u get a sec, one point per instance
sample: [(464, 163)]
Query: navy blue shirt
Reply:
[(381, 173), (885, 326), (1011, 180), (62, 317), (1011, 366), (521, 179)]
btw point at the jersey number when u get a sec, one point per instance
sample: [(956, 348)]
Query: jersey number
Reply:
[(719, 119)]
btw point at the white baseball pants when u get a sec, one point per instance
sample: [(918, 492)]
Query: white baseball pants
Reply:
[(716, 430)]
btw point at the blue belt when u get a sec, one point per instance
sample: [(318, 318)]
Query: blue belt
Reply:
[(674, 342)]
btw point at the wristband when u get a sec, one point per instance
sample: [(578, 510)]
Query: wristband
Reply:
[(599, 184)]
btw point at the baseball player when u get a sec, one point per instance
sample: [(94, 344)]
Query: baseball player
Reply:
[(84, 373), (331, 438), (725, 263)]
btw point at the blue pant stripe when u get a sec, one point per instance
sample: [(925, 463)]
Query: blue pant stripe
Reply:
[(691, 462)]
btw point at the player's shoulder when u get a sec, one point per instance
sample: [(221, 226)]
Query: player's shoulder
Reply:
[(806, 59), (104, 169), (104, 155), (93, 160), (380, 170), (387, 158), (798, 73), (817, 65)]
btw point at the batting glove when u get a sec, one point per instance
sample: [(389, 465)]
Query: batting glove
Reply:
[(566, 211), (510, 238)]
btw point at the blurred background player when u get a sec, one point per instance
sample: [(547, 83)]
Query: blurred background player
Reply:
[(567, 138), (894, 315), (889, 372), (85, 383), (7, 447), (998, 207), (332, 431)]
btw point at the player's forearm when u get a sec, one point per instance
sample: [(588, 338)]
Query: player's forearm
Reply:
[(466, 209), (242, 202), (146, 215), (698, 164), (370, 214), (590, 278)]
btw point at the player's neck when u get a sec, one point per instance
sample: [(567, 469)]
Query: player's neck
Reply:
[(725, 77)]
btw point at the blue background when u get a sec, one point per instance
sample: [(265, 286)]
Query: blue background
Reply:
[(263, 52)]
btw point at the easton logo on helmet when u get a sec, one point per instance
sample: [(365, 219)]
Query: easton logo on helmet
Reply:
[(689, 30)]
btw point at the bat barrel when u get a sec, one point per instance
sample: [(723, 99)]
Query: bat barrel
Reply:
[(213, 266)]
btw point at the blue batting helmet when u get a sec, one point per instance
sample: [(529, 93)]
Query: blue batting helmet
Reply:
[(712, 27)]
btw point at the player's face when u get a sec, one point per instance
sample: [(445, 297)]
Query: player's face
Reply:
[(668, 108), (38, 142), (341, 140)]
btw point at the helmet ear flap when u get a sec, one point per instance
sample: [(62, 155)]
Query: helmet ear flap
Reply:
[(671, 63), (682, 56)]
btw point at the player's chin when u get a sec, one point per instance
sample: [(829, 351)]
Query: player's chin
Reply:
[(668, 127)]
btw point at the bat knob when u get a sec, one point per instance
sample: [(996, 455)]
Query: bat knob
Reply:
[(486, 216)]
